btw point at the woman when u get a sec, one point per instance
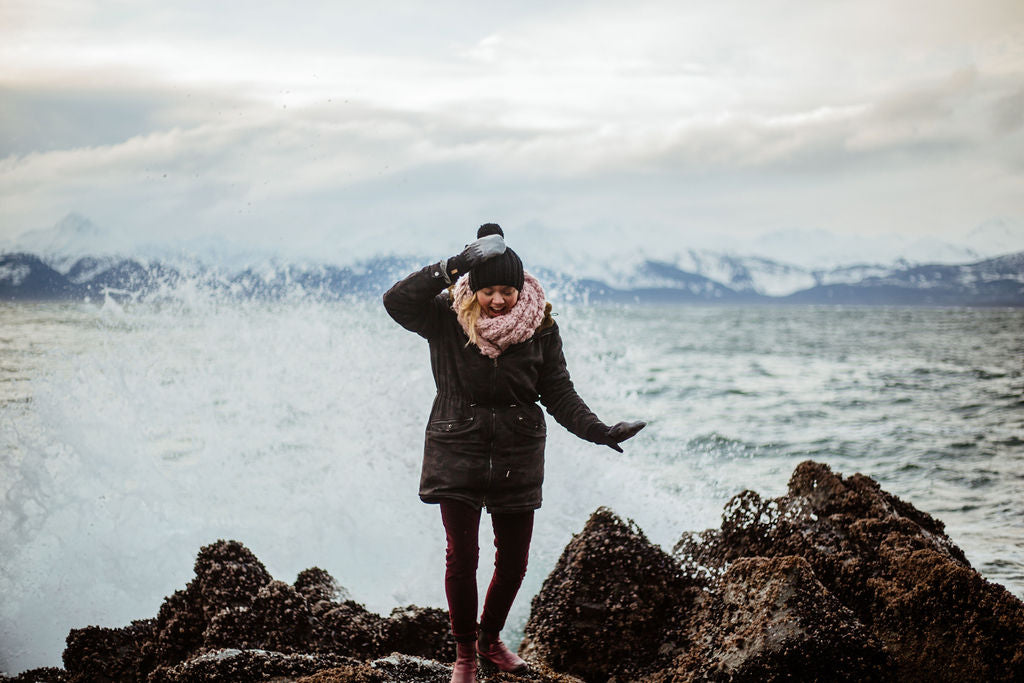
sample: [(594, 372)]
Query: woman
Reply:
[(494, 351)]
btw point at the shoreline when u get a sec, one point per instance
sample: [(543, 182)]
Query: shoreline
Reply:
[(835, 578)]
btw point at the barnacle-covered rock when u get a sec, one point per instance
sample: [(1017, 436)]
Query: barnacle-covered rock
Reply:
[(889, 563), (614, 605)]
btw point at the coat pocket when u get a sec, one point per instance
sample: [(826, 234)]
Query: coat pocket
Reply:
[(527, 424), (451, 427)]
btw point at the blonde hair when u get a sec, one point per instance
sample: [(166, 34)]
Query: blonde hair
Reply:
[(468, 313)]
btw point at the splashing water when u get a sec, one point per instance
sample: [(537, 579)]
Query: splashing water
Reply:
[(132, 434)]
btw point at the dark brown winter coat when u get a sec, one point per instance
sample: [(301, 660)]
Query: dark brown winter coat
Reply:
[(485, 437)]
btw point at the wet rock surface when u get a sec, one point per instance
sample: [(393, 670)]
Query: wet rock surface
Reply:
[(398, 668), (614, 605), (46, 674), (836, 580), (889, 563), (110, 655), (233, 622), (770, 618), (243, 666)]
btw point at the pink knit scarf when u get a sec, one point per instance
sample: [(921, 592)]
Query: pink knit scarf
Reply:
[(494, 335)]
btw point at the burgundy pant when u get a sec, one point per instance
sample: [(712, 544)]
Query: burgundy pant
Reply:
[(512, 532)]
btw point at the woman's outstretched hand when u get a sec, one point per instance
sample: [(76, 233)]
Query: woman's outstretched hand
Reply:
[(618, 433)]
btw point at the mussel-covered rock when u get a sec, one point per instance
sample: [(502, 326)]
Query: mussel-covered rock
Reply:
[(110, 655), (770, 619), (836, 580), (614, 605), (889, 563), (246, 666)]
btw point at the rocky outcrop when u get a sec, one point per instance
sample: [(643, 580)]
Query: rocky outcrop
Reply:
[(614, 605), (771, 619), (399, 668), (110, 655), (837, 580), (233, 622), (46, 674), (244, 666), (889, 563)]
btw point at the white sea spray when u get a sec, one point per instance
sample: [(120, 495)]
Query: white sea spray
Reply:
[(132, 433)]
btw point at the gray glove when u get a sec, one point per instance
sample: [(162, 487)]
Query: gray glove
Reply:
[(613, 436), (475, 253)]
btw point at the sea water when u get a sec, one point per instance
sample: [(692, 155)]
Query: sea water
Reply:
[(132, 434)]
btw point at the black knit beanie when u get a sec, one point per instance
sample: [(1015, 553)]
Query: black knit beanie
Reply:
[(504, 269)]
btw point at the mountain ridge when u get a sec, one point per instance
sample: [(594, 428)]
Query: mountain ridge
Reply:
[(995, 281), (775, 264)]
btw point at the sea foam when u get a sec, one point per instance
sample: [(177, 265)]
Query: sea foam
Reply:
[(295, 427)]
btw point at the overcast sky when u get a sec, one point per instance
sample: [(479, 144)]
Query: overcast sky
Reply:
[(326, 126)]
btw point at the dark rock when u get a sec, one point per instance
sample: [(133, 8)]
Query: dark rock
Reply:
[(246, 666), (420, 631), (939, 617), (837, 580), (404, 669), (233, 621), (46, 674), (282, 618), (399, 668), (349, 629), (353, 673), (613, 605), (278, 619), (227, 578), (179, 625), (316, 585), (772, 620), (891, 564), (227, 575), (231, 628), (110, 655)]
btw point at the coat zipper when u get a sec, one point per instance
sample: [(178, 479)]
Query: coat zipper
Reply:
[(490, 453), (490, 458)]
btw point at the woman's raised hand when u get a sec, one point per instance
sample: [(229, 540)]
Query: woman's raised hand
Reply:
[(476, 252), (618, 433), (482, 249)]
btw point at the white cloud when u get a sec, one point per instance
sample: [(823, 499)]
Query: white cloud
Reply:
[(734, 117)]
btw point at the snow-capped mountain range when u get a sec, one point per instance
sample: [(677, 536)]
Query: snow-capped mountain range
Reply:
[(81, 259)]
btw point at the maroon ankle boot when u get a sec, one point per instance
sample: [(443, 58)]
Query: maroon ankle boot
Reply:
[(491, 649), (464, 669)]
